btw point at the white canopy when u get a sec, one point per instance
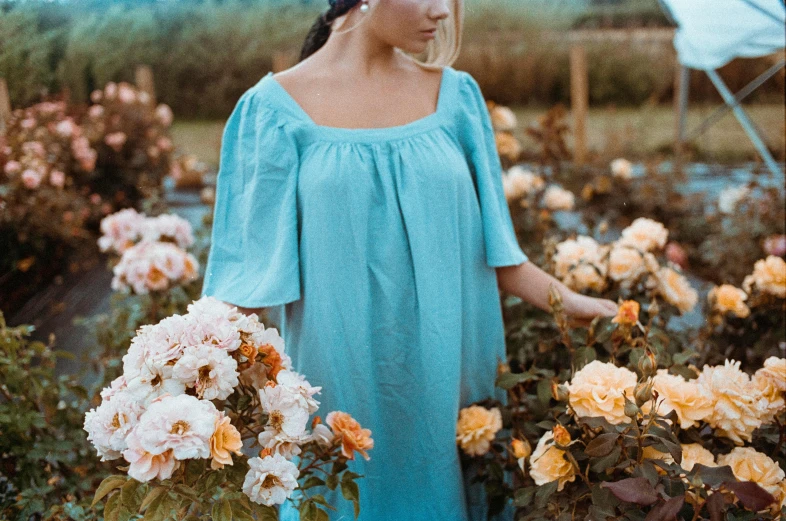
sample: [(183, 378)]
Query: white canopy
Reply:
[(713, 32)]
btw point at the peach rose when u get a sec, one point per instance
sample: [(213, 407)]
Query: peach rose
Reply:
[(627, 264), (736, 411), (476, 429), (675, 289), (224, 441), (521, 450), (770, 382), (645, 234), (769, 275), (597, 390), (774, 370), (691, 402), (353, 437), (548, 463), (557, 198), (726, 298), (693, 453), (748, 464)]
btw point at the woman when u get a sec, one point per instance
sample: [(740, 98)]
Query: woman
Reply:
[(374, 221)]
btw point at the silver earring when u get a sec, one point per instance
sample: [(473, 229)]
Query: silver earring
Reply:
[(364, 7)]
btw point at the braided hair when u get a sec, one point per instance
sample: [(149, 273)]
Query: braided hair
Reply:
[(320, 31)]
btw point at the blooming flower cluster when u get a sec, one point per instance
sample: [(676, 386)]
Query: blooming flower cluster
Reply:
[(124, 228), (153, 266), (768, 279), (50, 143), (769, 276), (519, 182), (167, 406), (152, 248), (728, 399), (504, 122), (584, 264)]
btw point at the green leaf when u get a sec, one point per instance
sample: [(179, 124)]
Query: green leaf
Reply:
[(264, 512), (712, 476), (544, 391), (185, 490), (583, 356), (109, 484), (112, 507), (523, 496), (154, 511), (509, 380), (313, 481), (128, 497), (240, 513), (683, 371), (308, 511), (544, 492), (222, 510), (349, 475), (602, 445), (601, 464), (349, 489), (332, 482), (152, 496)]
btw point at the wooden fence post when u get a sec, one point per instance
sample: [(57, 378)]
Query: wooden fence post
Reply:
[(144, 81), (579, 100), (681, 89), (5, 105)]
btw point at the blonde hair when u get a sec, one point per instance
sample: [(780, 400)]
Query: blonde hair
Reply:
[(444, 49)]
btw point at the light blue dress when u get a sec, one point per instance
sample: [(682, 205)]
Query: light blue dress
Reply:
[(378, 248)]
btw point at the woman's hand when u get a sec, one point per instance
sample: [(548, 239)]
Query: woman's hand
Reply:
[(581, 309), (532, 284)]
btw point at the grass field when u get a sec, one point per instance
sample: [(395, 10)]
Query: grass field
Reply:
[(635, 133)]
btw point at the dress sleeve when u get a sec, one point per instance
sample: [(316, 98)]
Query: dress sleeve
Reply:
[(254, 259), (502, 247)]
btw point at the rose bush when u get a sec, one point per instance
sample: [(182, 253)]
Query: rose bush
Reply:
[(624, 426), (199, 394)]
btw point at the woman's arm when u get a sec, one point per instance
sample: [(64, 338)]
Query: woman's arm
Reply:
[(531, 284)]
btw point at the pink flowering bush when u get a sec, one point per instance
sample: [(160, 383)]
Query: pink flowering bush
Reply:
[(208, 414), (130, 134), (63, 169)]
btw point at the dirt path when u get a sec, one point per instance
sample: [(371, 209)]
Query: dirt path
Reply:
[(85, 294)]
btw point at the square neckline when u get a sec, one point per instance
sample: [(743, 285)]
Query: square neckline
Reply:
[(370, 133)]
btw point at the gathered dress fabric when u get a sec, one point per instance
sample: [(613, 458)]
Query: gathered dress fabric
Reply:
[(376, 249)]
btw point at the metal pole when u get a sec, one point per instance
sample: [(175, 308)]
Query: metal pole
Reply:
[(746, 123)]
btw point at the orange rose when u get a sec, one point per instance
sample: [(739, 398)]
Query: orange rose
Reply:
[(353, 438), (628, 313), (271, 359)]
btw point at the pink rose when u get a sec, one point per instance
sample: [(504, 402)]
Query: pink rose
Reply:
[(775, 245), (31, 179), (676, 254)]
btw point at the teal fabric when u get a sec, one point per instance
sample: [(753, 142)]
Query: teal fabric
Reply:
[(377, 247)]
